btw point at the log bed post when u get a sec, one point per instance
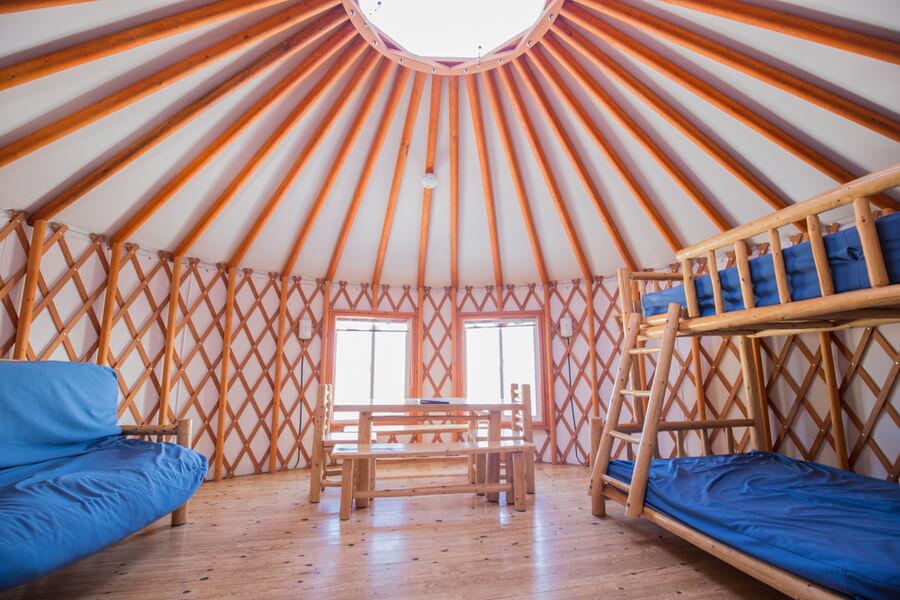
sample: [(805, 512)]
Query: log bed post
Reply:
[(183, 439), (751, 392), (834, 401), (29, 289)]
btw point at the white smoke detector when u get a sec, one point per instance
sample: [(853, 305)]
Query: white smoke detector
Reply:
[(429, 181)]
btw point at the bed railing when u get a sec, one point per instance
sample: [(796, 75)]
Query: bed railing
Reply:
[(806, 215)]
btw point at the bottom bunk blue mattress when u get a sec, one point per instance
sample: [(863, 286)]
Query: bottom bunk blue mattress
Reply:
[(55, 512), (845, 257), (834, 528)]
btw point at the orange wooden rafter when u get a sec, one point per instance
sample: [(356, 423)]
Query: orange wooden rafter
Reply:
[(434, 115), (679, 121), (610, 152), (11, 6), (721, 100), (486, 180), (248, 117), (409, 125), (303, 38), (748, 65), (387, 117), (515, 168), (574, 156), (543, 161), (275, 138), (41, 66), (454, 182), (385, 70), (152, 83), (808, 29)]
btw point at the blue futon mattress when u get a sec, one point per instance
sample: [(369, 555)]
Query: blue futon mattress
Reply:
[(835, 528), (57, 511), (848, 271)]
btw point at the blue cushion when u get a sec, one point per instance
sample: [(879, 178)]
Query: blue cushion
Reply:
[(56, 512), (54, 409), (835, 528), (845, 257)]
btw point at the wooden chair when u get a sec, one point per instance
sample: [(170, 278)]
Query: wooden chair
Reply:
[(324, 440), (520, 428)]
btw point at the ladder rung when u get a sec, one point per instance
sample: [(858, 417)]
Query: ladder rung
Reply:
[(615, 482), (644, 350), (631, 439), (636, 393)]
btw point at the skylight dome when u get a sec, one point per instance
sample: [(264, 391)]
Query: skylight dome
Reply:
[(458, 36)]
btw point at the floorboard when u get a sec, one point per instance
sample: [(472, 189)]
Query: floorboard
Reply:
[(258, 537)]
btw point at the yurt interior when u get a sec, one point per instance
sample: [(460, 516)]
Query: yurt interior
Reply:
[(424, 299)]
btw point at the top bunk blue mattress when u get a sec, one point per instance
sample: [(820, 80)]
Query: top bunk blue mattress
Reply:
[(834, 528), (845, 256)]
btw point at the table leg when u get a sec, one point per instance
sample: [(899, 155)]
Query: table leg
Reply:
[(493, 460), (362, 466), (520, 486)]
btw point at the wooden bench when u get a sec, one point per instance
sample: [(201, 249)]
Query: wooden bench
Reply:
[(351, 454)]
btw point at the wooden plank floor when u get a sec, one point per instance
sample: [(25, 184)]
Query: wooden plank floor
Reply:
[(257, 537)]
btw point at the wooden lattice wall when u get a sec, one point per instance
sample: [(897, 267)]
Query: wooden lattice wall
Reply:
[(68, 311)]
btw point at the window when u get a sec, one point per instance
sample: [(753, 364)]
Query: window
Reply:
[(370, 364), (499, 353)]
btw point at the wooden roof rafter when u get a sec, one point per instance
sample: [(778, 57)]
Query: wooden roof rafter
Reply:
[(758, 69), (812, 30), (11, 6), (298, 41), (125, 39), (247, 118), (153, 82), (675, 118), (615, 160), (387, 117), (409, 125), (487, 183), (434, 116), (721, 100), (384, 71)]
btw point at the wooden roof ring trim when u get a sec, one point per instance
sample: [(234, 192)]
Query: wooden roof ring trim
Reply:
[(486, 180), (434, 116), (264, 151), (611, 154), (307, 35), (280, 89), (578, 163), (150, 84), (47, 64), (11, 6), (409, 125), (719, 99), (646, 140), (676, 119), (373, 91), (338, 68), (387, 117), (505, 52), (453, 84), (808, 29), (849, 109), (515, 171), (537, 148)]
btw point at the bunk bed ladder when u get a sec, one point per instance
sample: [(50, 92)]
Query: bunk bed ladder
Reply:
[(646, 441)]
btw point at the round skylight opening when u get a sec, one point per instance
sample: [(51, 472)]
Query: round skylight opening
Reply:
[(452, 36)]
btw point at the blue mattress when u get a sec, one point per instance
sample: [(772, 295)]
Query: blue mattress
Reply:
[(835, 528), (55, 512), (848, 270)]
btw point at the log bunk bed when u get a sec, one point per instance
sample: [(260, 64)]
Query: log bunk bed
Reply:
[(808, 530)]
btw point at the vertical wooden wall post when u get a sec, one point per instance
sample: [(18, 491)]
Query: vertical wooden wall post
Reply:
[(109, 302), (224, 379), (324, 376), (29, 289), (420, 343), (550, 416), (592, 350), (279, 374), (171, 330), (699, 391), (751, 392), (763, 392), (834, 401)]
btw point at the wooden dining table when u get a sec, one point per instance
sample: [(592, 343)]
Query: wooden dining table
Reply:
[(412, 409)]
